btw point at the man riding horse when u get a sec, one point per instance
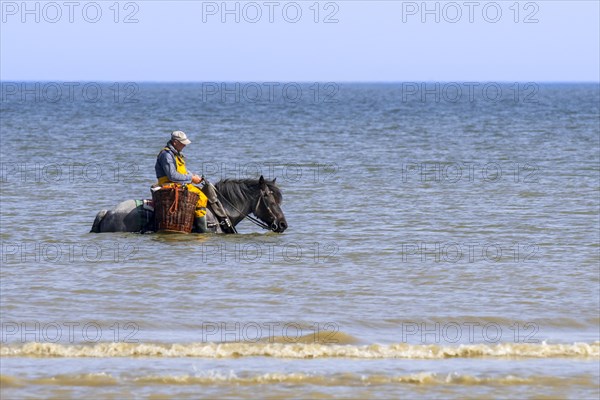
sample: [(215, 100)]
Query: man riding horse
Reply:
[(230, 201), (170, 169)]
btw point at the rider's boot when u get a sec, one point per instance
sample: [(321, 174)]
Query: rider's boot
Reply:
[(200, 225)]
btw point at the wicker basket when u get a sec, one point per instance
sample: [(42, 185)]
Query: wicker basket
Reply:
[(174, 209)]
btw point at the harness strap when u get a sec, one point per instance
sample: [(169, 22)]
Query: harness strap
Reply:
[(139, 205)]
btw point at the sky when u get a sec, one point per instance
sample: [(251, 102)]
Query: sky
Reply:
[(264, 40)]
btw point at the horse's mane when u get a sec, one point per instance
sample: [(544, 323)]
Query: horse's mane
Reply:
[(240, 190)]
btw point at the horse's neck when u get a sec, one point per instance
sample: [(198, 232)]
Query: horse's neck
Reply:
[(236, 211)]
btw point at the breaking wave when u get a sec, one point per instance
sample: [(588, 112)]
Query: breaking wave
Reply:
[(341, 379), (303, 350)]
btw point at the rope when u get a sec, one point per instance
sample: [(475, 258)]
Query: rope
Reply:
[(173, 208)]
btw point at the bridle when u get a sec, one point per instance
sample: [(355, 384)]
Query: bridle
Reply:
[(254, 220), (266, 193)]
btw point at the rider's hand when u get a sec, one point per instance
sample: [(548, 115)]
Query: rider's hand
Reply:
[(196, 179)]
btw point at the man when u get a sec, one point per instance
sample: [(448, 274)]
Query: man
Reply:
[(170, 168)]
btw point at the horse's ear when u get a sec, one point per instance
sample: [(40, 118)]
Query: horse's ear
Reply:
[(274, 179), (261, 180)]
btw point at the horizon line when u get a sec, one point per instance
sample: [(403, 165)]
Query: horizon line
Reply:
[(297, 81)]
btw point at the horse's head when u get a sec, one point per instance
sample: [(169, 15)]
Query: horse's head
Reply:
[(268, 206)]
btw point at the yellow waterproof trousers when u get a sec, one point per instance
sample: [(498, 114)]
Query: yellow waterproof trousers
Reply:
[(202, 200)]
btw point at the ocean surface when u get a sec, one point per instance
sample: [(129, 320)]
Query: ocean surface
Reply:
[(443, 242)]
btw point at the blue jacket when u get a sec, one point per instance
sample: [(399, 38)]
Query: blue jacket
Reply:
[(165, 166)]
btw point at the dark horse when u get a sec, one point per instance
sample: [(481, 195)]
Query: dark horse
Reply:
[(239, 197)]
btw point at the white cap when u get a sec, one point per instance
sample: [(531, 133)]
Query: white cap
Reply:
[(181, 137)]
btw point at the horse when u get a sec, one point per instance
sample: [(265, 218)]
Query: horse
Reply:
[(238, 197)]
